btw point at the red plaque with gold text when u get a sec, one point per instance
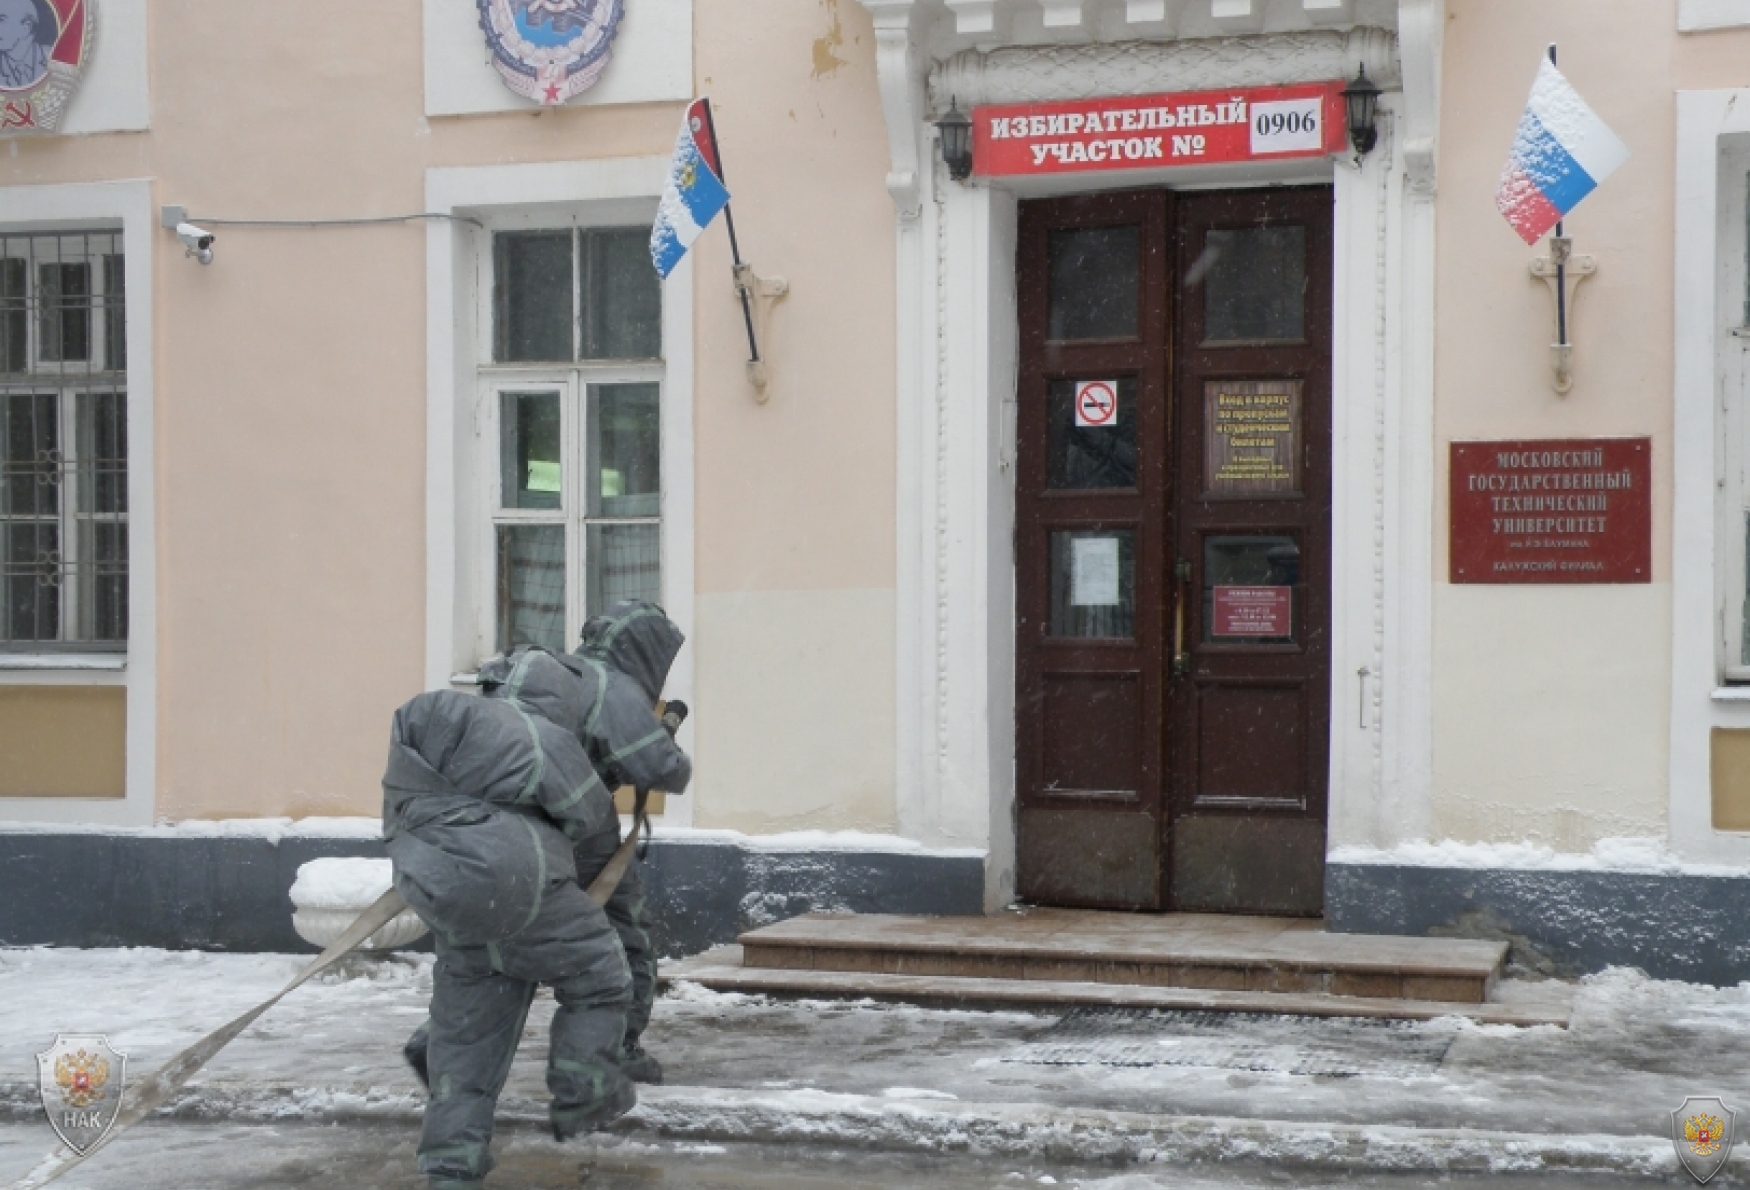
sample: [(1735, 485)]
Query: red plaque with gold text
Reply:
[(1569, 510)]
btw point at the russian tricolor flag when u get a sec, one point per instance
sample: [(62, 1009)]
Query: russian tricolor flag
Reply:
[(1562, 152), (694, 194)]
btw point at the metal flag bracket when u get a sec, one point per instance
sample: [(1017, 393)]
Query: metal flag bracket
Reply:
[(756, 294), (1564, 271)]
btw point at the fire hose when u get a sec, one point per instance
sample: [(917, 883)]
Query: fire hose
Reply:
[(158, 1087)]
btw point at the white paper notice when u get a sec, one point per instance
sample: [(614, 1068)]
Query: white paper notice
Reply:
[(1287, 125), (1093, 573)]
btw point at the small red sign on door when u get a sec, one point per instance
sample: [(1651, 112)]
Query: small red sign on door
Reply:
[(1566, 510), (1147, 131), (1254, 611)]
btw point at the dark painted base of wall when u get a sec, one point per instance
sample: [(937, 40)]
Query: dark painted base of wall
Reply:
[(1694, 928), (234, 893)]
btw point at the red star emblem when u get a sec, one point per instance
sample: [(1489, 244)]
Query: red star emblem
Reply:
[(552, 92)]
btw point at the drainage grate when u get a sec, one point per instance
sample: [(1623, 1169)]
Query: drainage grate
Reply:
[(1342, 1047)]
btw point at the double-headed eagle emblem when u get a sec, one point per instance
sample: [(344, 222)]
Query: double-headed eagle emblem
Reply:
[(81, 1076)]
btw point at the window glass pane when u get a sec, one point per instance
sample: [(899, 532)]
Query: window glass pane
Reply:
[(1090, 454), (1254, 285), (1094, 281), (531, 586), (625, 450), (532, 296), (14, 317), (530, 467), (622, 295), (102, 579), (103, 452), (1093, 583), (625, 562), (30, 461), (30, 596), (1248, 588), (1744, 648), (115, 323), (64, 302)]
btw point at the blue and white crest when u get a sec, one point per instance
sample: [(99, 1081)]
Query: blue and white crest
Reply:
[(550, 50)]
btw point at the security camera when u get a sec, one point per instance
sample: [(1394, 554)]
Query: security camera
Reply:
[(197, 240)]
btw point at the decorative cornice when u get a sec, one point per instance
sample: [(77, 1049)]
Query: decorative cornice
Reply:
[(1040, 73)]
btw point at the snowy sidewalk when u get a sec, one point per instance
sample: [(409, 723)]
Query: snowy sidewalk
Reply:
[(1438, 1095)]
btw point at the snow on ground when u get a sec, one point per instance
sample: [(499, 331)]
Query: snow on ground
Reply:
[(1636, 1049)]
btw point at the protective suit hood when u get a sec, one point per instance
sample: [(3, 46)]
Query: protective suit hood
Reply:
[(638, 639)]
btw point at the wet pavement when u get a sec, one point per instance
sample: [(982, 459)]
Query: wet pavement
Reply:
[(173, 1155)]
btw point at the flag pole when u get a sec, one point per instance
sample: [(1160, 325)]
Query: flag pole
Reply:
[(753, 347), (1558, 250)]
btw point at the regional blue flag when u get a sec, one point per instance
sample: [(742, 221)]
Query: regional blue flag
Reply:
[(694, 194)]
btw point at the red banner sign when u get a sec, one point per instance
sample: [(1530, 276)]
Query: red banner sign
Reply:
[(1253, 611), (1574, 510), (1146, 131)]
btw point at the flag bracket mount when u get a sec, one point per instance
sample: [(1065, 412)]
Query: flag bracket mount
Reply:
[(1562, 270), (757, 293)]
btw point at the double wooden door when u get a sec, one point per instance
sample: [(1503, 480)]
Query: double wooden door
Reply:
[(1173, 549)]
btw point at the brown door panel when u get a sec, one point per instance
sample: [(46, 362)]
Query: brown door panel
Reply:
[(1096, 859), (1251, 742), (1237, 863)]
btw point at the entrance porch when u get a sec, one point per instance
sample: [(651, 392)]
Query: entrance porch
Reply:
[(1058, 958)]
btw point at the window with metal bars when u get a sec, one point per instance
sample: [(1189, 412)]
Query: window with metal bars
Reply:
[(576, 384), (63, 443)]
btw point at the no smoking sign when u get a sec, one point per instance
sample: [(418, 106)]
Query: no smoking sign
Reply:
[(1096, 403)]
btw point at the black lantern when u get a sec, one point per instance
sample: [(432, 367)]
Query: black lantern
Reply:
[(956, 132), (1361, 97)]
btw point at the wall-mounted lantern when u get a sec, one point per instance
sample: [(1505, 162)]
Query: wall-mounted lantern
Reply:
[(956, 132), (1361, 98)]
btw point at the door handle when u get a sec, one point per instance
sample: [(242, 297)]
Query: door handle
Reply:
[(1181, 658)]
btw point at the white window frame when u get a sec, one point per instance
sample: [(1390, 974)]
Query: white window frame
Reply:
[(462, 446), (573, 382), (1732, 430), (102, 206), (1711, 398)]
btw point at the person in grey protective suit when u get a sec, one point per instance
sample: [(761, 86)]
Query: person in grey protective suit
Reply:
[(488, 806), (626, 655)]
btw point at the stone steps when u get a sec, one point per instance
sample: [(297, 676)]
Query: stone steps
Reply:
[(1202, 952), (722, 970)]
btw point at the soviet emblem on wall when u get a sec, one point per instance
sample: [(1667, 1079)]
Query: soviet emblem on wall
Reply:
[(548, 50), (44, 45)]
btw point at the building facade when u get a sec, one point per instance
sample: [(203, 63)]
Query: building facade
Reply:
[(1122, 524)]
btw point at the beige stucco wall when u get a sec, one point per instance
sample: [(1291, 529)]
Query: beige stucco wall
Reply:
[(291, 399), (796, 506), (1551, 704)]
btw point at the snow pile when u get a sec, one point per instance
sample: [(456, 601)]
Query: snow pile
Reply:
[(1629, 855), (341, 883)]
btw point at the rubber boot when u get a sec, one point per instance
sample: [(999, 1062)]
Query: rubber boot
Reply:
[(637, 1064)]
